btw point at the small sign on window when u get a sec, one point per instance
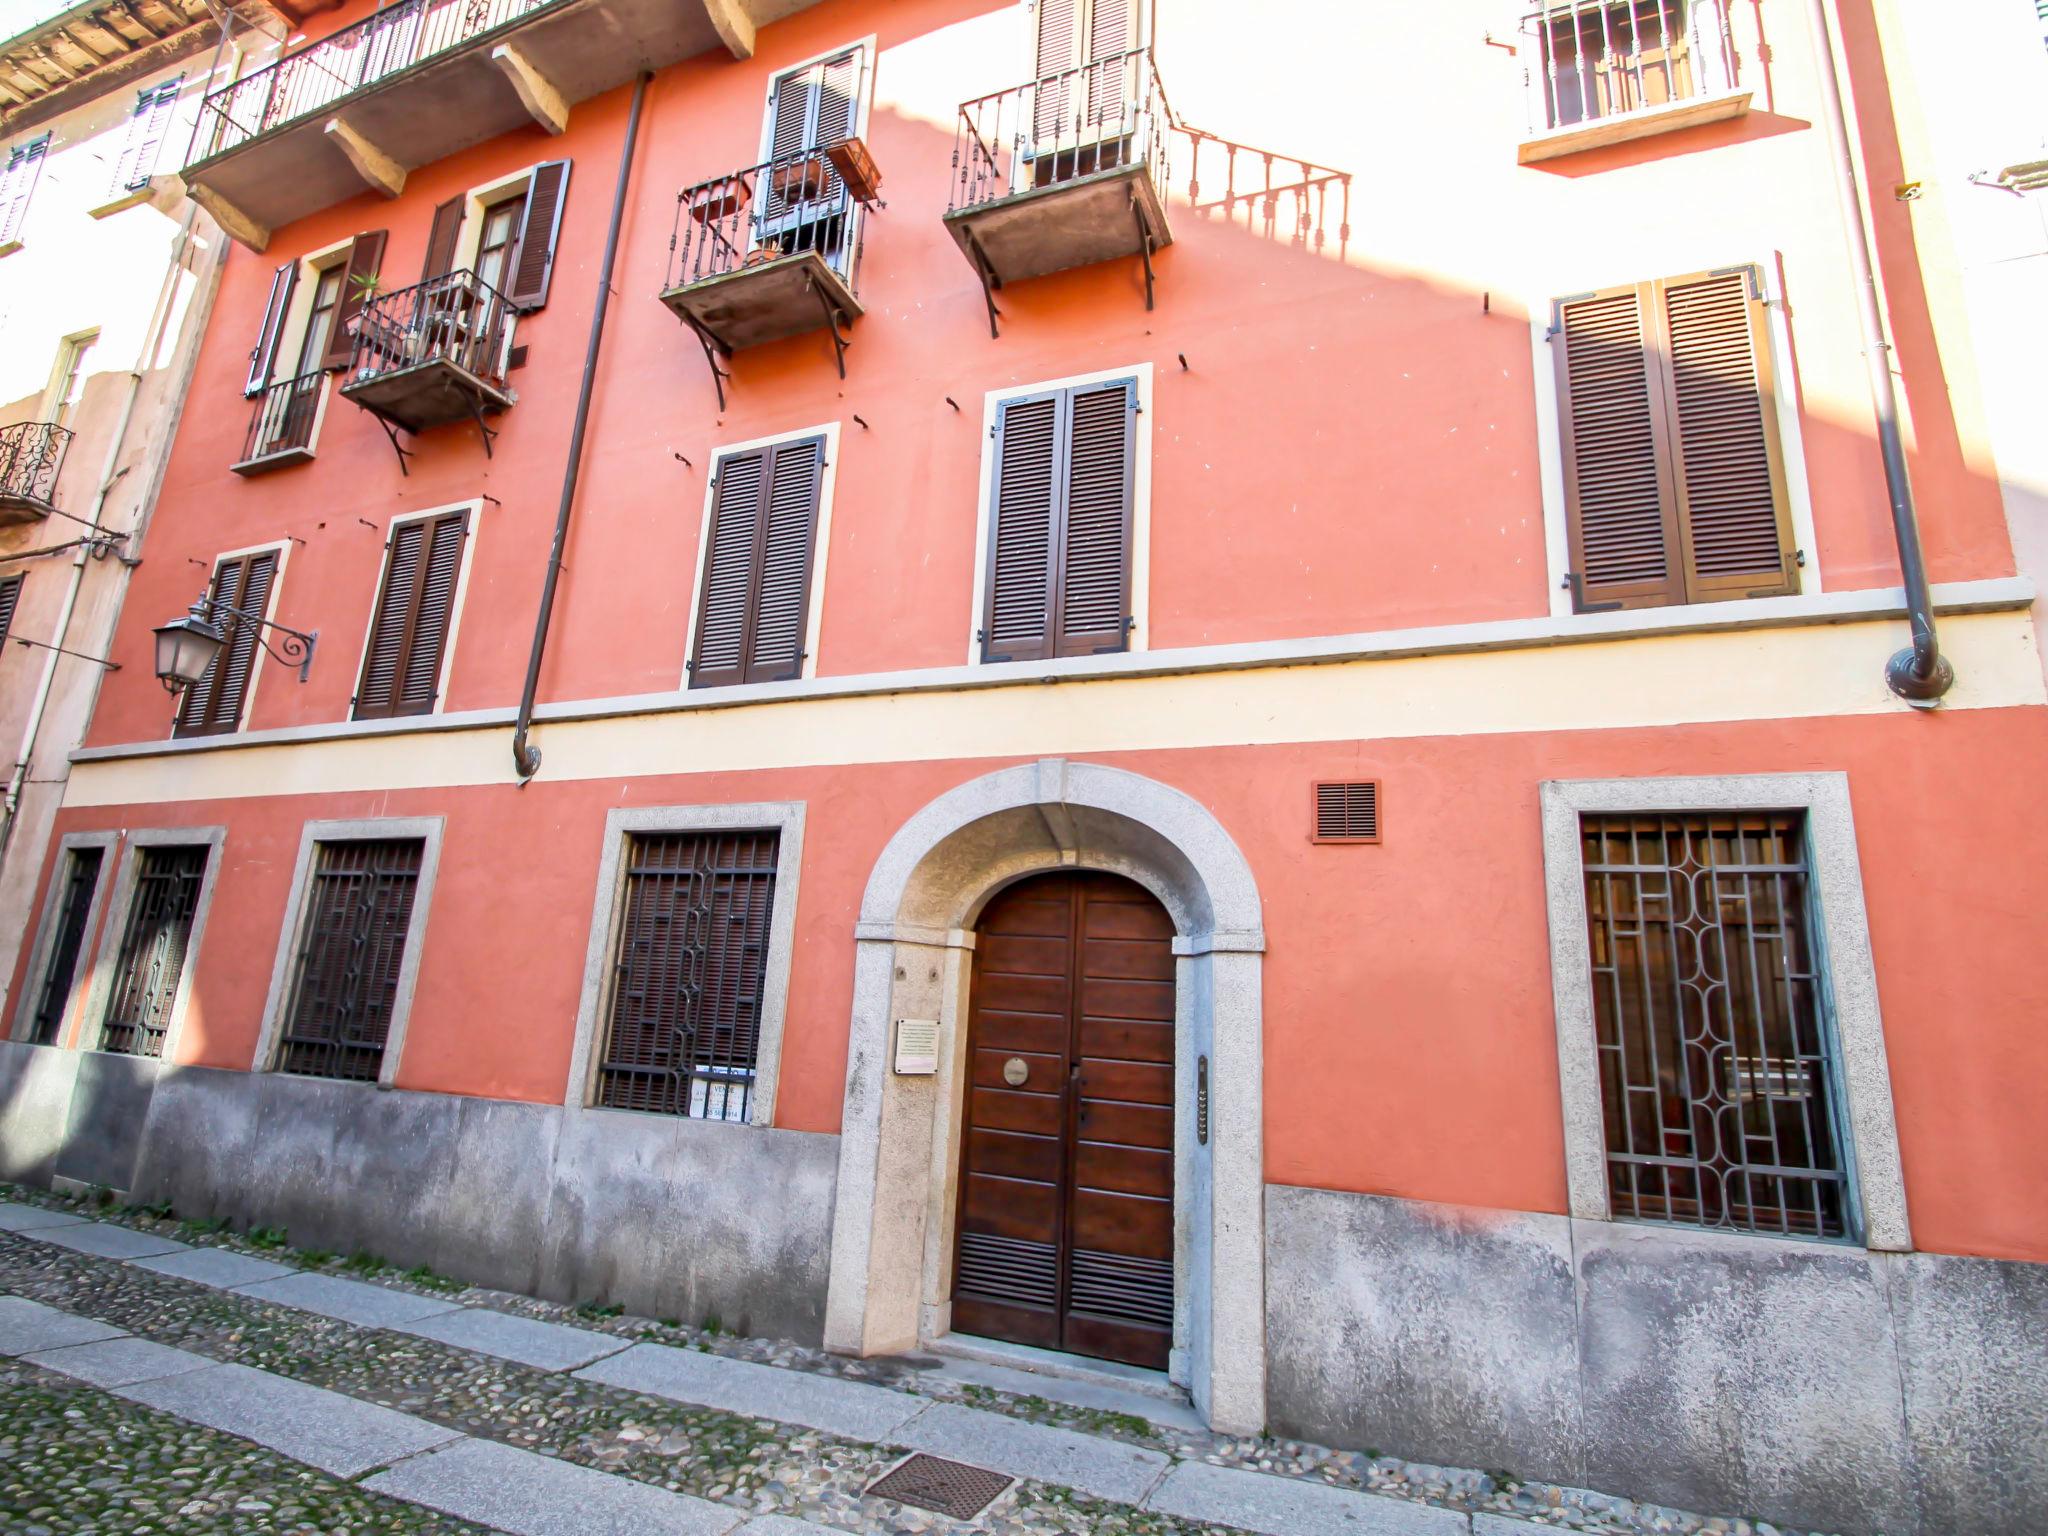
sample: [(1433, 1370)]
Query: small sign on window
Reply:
[(917, 1047)]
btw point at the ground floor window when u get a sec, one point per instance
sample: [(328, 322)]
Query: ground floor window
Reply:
[(79, 879), (1718, 1081), (359, 904), (154, 947), (689, 967)]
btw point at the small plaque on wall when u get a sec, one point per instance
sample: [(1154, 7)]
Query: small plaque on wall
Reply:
[(917, 1047)]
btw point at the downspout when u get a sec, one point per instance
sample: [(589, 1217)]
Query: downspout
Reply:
[(1920, 674), (525, 756)]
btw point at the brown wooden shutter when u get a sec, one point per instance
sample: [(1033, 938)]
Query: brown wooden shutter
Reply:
[(10, 594), (264, 354), (1733, 511), (365, 257), (1619, 511), (415, 606), (213, 705), (1092, 604), (1017, 622), (541, 227), (441, 238), (754, 605)]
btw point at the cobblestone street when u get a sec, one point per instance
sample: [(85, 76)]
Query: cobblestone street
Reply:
[(209, 1382)]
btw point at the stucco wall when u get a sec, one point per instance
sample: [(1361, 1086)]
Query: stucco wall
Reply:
[(1805, 1383)]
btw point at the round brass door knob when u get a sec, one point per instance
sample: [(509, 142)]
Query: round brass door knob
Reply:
[(1015, 1071)]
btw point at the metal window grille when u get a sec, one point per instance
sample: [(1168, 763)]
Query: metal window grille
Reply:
[(1600, 58), (684, 1026), (153, 949), (1716, 1069), (74, 908), (358, 913)]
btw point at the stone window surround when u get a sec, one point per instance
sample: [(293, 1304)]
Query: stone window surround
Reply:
[(429, 830), (784, 817), (1877, 1197), (46, 935), (108, 952)]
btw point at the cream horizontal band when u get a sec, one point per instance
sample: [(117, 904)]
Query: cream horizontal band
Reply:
[(1804, 671)]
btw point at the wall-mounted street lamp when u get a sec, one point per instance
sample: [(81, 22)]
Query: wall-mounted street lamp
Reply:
[(186, 646)]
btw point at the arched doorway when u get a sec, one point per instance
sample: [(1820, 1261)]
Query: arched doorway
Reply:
[(1065, 1226)]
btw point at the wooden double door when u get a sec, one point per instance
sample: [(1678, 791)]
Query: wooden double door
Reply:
[(1065, 1226)]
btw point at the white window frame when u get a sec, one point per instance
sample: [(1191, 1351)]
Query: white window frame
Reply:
[(92, 1026), (429, 830), (476, 205), (475, 507), (35, 977), (593, 1009), (821, 542), (284, 554), (856, 215), (1786, 400), (1141, 505), (1876, 1195)]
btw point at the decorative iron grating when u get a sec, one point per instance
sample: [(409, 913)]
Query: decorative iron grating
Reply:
[(945, 1487)]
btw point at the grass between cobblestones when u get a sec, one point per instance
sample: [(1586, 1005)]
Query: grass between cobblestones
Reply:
[(76, 1459)]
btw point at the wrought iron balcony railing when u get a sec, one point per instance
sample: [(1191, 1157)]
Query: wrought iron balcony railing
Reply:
[(31, 458), (457, 319), (1045, 133), (783, 207), (315, 77), (281, 426), (1596, 59)]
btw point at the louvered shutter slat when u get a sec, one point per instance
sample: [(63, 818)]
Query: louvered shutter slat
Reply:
[(1019, 618), (420, 673), (10, 594), (365, 259), (442, 238), (1731, 498), (378, 692), (1623, 527), (782, 587), (540, 228), (722, 607), (1094, 595)]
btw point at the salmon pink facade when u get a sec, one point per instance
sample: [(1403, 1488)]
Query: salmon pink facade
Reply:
[(1190, 684)]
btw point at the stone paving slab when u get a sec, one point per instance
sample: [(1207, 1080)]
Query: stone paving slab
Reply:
[(529, 1495), (33, 1218), (783, 1525), (218, 1267), (120, 1362), (338, 1434), (544, 1346), (1282, 1506), (1485, 1524), (839, 1407), (28, 1327), (351, 1301), (1107, 1469), (106, 1241)]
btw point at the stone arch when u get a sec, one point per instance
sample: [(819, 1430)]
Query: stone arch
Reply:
[(890, 1285)]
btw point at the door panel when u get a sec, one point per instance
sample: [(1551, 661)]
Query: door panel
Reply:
[(1066, 1204)]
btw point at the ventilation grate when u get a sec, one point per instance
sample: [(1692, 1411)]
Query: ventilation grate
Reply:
[(1347, 812), (947, 1487)]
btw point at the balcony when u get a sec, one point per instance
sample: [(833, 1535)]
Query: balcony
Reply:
[(283, 425), (770, 252), (31, 458), (1062, 172), (431, 354), (423, 79), (1611, 71)]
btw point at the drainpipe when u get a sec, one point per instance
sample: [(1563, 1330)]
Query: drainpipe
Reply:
[(1920, 674), (526, 756)]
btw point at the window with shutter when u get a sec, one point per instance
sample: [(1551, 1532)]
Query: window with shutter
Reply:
[(147, 125), (689, 967), (533, 264), (442, 238), (359, 904), (1079, 54), (18, 184), (415, 610), (151, 962), (263, 356), (1675, 484), (72, 915), (365, 258), (1061, 503), (753, 608), (10, 596), (213, 705)]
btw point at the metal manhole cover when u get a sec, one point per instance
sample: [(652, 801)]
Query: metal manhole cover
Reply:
[(949, 1487)]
